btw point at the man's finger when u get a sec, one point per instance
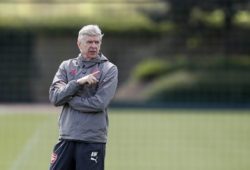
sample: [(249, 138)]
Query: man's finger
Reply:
[(95, 73), (94, 79)]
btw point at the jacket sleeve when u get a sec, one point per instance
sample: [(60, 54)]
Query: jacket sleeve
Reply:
[(103, 96), (61, 91)]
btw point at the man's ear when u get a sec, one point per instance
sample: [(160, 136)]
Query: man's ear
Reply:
[(78, 43)]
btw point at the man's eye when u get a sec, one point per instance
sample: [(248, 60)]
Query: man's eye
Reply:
[(91, 42)]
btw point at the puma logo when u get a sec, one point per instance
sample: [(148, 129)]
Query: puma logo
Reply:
[(94, 157)]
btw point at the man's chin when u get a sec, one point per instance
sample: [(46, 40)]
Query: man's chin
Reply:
[(90, 57)]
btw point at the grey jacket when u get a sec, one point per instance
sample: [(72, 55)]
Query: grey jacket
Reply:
[(84, 114)]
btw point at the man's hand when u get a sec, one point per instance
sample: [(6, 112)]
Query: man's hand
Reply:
[(89, 79)]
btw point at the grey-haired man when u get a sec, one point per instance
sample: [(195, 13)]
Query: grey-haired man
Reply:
[(84, 86)]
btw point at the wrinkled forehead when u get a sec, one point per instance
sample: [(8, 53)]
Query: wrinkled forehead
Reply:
[(90, 38)]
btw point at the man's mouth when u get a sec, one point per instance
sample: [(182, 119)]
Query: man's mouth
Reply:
[(92, 51)]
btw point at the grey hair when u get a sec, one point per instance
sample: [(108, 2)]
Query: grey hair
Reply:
[(90, 30)]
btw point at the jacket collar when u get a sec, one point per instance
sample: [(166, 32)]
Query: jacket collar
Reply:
[(89, 63)]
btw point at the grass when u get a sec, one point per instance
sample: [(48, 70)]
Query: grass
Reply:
[(26, 140), (140, 139)]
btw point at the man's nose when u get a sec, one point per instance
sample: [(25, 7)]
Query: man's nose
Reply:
[(93, 44)]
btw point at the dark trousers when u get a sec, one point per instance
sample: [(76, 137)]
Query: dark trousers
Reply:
[(75, 155)]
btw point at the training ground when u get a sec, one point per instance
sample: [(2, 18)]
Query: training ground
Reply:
[(139, 139)]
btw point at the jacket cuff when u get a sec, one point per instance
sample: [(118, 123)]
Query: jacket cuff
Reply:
[(74, 85)]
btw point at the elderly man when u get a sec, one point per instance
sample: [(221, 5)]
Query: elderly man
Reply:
[(84, 86)]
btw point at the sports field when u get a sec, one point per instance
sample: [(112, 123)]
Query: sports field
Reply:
[(139, 139)]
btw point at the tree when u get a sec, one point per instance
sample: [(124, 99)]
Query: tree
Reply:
[(180, 14)]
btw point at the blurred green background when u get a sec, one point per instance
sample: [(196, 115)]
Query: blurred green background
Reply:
[(172, 51), (184, 90)]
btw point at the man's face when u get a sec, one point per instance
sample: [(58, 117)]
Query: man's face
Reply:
[(89, 46)]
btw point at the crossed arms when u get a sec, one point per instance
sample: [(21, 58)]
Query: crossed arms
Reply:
[(63, 92)]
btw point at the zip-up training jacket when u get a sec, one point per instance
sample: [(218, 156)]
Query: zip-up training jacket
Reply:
[(84, 114)]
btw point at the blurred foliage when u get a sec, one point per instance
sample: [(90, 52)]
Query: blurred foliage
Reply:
[(217, 79), (217, 63), (212, 18), (196, 86), (216, 24), (151, 69), (181, 11), (242, 18), (121, 15), (55, 15)]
